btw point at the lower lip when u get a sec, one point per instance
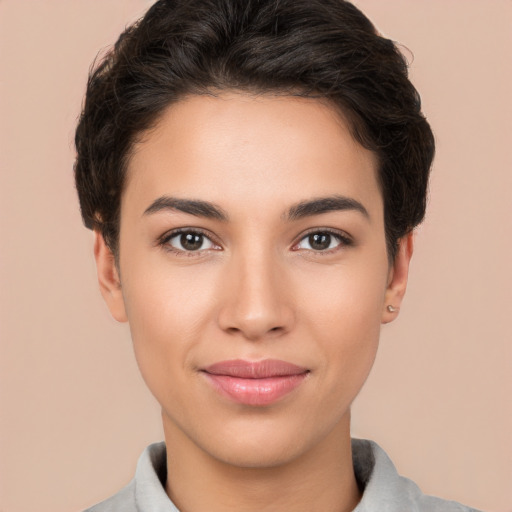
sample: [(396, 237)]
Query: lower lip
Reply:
[(255, 391)]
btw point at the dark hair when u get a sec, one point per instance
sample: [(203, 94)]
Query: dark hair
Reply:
[(315, 48)]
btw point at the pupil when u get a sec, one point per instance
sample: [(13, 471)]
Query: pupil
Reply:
[(320, 241), (191, 241)]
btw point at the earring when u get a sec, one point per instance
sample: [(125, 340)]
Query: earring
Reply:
[(392, 309)]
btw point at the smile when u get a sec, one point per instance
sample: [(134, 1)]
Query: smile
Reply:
[(255, 383)]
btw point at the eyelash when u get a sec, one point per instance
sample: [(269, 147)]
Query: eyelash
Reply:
[(343, 239), (164, 241)]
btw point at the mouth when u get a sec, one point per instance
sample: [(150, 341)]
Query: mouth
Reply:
[(255, 383)]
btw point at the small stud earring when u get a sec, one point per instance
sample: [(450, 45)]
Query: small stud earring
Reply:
[(392, 309)]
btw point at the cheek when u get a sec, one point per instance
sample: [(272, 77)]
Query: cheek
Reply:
[(167, 312), (342, 312), (167, 300), (345, 300)]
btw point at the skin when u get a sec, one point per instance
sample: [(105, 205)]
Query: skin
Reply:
[(255, 289)]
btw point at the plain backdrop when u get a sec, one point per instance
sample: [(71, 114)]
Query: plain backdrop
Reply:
[(74, 412)]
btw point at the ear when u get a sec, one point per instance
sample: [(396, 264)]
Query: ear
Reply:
[(108, 278), (397, 280)]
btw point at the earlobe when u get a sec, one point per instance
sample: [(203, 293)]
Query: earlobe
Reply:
[(398, 276), (108, 278)]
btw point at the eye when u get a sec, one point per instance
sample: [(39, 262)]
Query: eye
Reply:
[(187, 241), (322, 241)]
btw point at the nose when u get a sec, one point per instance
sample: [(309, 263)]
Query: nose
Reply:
[(256, 303)]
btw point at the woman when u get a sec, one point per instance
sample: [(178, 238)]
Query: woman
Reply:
[(253, 172)]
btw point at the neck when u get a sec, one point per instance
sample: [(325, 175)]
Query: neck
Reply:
[(322, 479)]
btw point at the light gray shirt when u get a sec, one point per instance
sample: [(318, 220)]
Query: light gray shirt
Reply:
[(384, 490)]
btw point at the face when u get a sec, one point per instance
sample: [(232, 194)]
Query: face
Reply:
[(253, 273)]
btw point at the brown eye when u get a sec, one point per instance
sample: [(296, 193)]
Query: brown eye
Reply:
[(322, 241), (190, 241), (319, 241)]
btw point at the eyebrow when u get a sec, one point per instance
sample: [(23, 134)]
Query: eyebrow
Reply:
[(323, 205), (192, 206), (297, 211)]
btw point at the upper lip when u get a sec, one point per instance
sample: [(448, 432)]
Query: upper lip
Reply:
[(254, 369)]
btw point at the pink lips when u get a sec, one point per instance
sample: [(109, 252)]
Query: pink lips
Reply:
[(255, 383)]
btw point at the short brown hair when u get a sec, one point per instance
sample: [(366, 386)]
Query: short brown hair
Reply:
[(313, 48)]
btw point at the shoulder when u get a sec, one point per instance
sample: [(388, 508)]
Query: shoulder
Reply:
[(123, 500), (386, 491), (146, 490)]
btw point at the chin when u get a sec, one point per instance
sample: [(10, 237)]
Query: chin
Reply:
[(266, 443), (260, 455)]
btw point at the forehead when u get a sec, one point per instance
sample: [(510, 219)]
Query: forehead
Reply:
[(262, 149)]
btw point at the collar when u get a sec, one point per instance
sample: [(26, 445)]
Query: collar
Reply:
[(384, 490)]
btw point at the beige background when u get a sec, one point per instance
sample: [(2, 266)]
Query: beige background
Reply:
[(74, 413)]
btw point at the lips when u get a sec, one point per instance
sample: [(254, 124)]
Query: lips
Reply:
[(255, 383)]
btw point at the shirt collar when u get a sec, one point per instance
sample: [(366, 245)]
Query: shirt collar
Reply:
[(375, 473)]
